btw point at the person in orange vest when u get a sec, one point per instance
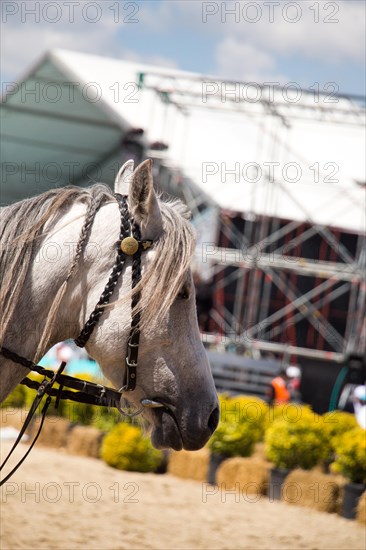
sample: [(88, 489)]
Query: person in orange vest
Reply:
[(278, 391)]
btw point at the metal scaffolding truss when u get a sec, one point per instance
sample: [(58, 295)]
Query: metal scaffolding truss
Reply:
[(256, 328), (259, 257), (265, 284), (257, 100), (336, 280)]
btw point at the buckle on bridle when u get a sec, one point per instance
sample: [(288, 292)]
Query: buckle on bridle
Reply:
[(47, 384), (130, 245), (102, 394)]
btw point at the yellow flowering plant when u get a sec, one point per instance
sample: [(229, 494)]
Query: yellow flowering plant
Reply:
[(16, 399), (232, 439), (337, 423), (245, 409), (290, 412), (126, 448), (297, 444), (350, 450), (242, 424)]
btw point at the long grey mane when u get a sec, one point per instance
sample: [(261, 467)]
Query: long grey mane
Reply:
[(23, 224)]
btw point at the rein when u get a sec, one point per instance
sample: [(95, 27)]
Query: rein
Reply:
[(129, 244)]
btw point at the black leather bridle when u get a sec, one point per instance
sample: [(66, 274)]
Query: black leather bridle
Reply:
[(129, 245)]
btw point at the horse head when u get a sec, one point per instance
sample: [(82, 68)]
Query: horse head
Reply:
[(51, 299), (172, 368)]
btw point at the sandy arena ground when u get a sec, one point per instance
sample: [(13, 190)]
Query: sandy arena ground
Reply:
[(58, 501)]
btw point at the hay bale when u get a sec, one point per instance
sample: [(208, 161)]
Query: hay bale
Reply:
[(189, 464), (84, 441), (54, 432), (361, 509), (259, 451), (312, 489), (247, 475)]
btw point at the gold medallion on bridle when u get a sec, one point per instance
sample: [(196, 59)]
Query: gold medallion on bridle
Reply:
[(129, 246)]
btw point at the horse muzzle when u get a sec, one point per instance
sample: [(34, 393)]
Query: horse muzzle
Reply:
[(171, 430)]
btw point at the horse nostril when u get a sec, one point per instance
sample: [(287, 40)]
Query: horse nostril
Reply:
[(214, 419)]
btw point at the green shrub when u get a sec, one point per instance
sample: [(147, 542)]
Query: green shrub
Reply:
[(77, 413), (337, 423), (242, 424), (246, 409), (290, 412), (350, 450), (300, 443), (126, 448), (106, 418), (231, 439), (16, 399)]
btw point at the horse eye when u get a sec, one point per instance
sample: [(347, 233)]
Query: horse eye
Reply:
[(183, 294)]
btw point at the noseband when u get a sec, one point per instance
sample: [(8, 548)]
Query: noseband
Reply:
[(129, 245)]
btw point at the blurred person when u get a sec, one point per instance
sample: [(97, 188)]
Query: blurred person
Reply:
[(294, 374), (278, 391), (64, 352), (359, 405)]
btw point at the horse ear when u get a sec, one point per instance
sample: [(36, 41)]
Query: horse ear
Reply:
[(143, 202), (123, 178)]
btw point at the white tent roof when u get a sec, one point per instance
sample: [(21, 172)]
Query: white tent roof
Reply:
[(220, 147)]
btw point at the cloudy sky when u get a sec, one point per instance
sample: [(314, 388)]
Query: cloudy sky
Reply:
[(306, 42)]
